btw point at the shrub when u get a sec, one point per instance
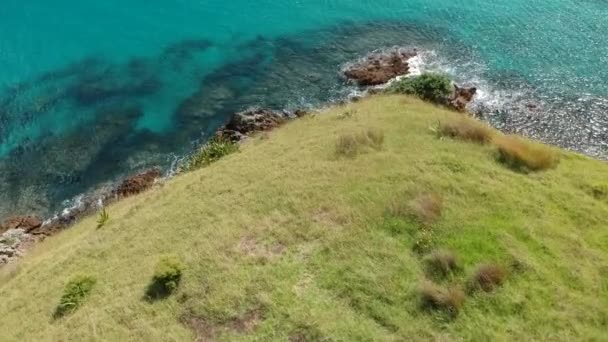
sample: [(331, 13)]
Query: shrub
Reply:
[(466, 129), (435, 297), (522, 155), (487, 277), (74, 294), (103, 218), (434, 88), (441, 263), (166, 278), (351, 144), (426, 208), (212, 151)]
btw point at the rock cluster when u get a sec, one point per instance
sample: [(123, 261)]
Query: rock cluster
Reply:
[(379, 67)]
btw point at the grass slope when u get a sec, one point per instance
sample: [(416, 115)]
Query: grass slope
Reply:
[(285, 240)]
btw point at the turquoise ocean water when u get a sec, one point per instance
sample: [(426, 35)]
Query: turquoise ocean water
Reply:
[(91, 91)]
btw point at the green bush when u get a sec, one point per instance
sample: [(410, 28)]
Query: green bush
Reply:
[(434, 88), (74, 294), (212, 151), (166, 278)]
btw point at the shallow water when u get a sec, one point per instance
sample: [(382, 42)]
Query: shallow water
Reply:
[(90, 91)]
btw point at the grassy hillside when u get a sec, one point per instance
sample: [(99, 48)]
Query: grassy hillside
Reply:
[(322, 230)]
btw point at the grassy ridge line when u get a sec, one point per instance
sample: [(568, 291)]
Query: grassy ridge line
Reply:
[(290, 234)]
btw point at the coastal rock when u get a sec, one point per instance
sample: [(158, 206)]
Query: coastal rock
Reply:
[(461, 97), (253, 120), (380, 67), (27, 223), (139, 183)]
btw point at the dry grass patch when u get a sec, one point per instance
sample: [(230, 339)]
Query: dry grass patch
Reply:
[(466, 129), (435, 297), (522, 155), (352, 144), (488, 277), (441, 263)]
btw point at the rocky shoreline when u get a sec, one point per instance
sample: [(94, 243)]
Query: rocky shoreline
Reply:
[(371, 73)]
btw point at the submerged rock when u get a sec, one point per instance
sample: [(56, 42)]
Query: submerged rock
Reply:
[(380, 67), (461, 97), (139, 183)]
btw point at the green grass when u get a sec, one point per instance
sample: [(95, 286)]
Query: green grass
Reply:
[(288, 240)]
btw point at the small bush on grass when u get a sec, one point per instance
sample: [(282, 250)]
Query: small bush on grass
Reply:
[(212, 151), (351, 144), (441, 263), (488, 277), (430, 87), (466, 129), (74, 294), (166, 278), (435, 297), (525, 156)]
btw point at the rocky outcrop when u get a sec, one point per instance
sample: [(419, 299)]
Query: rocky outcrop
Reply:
[(254, 120), (380, 67), (27, 223), (461, 97), (139, 183), (12, 244)]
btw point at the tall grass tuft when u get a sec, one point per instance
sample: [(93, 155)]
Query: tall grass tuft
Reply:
[(466, 129), (525, 156), (103, 218), (441, 263), (352, 144), (426, 208), (488, 277), (212, 151), (435, 297)]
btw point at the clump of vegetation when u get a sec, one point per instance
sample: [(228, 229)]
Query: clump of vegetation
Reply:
[(349, 145), (74, 294), (441, 263), (488, 277), (430, 87), (466, 129), (212, 151), (167, 276), (426, 208), (525, 156), (104, 217), (435, 297)]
